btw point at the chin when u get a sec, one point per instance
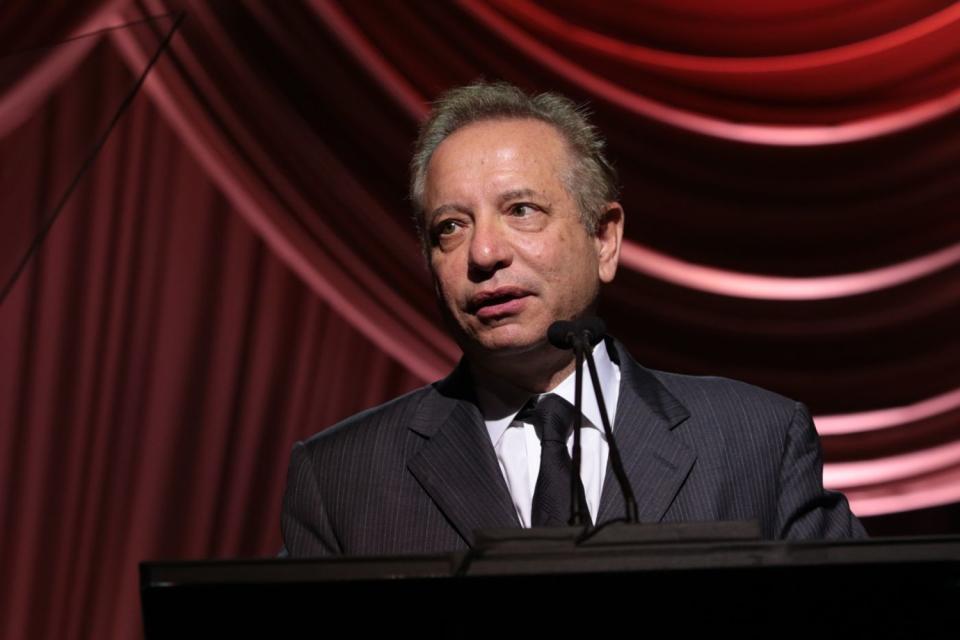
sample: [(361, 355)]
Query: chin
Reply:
[(506, 343)]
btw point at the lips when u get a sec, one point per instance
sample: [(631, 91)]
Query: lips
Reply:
[(498, 302)]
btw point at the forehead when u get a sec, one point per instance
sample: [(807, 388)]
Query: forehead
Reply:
[(495, 152)]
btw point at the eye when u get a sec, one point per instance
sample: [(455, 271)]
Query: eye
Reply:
[(446, 227), (522, 209)]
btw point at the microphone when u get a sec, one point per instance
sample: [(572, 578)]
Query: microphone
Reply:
[(581, 335), (564, 334)]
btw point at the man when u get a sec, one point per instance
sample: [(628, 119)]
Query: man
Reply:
[(518, 212)]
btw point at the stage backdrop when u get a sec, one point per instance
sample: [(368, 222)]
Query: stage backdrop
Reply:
[(236, 268)]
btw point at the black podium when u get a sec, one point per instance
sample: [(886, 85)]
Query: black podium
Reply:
[(896, 587)]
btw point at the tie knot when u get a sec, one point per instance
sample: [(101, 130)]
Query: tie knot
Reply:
[(551, 416)]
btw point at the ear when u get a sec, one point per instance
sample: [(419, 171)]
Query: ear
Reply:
[(609, 237)]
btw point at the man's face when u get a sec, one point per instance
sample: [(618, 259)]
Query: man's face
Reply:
[(508, 251)]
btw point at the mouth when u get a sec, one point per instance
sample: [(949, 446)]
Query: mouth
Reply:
[(497, 303)]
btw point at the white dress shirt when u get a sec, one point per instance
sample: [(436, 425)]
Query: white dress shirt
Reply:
[(518, 447)]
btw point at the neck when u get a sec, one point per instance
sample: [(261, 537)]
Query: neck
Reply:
[(529, 372)]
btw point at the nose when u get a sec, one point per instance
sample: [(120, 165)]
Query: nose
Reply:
[(490, 248)]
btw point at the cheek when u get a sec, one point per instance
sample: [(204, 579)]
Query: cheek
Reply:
[(445, 284), (531, 247), (440, 278), (579, 274)]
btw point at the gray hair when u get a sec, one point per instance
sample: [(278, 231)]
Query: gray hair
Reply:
[(591, 181)]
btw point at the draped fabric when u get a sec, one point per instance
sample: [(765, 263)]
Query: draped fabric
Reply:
[(237, 269)]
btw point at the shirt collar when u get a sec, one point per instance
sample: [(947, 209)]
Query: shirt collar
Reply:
[(500, 410)]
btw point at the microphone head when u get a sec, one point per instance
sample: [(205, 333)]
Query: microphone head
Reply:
[(563, 333), (593, 327)]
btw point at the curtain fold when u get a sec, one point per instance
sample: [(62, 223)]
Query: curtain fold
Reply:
[(257, 161), (161, 361)]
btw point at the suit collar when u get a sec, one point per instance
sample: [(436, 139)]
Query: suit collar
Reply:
[(457, 465), (500, 409), (656, 460)]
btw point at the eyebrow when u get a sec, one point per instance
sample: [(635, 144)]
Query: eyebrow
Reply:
[(513, 194), (447, 207), (504, 197)]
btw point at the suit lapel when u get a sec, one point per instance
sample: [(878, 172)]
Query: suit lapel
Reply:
[(655, 459), (457, 465)]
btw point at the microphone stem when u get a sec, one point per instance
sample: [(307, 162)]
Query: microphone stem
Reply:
[(577, 507), (615, 461)]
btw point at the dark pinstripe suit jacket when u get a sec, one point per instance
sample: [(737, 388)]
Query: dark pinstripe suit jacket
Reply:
[(419, 474)]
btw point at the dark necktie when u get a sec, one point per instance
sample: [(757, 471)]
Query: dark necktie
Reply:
[(552, 417)]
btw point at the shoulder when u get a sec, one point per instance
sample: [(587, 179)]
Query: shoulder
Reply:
[(379, 424), (725, 395), (683, 397), (735, 419)]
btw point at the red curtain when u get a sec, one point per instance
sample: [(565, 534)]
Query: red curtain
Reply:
[(237, 269)]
